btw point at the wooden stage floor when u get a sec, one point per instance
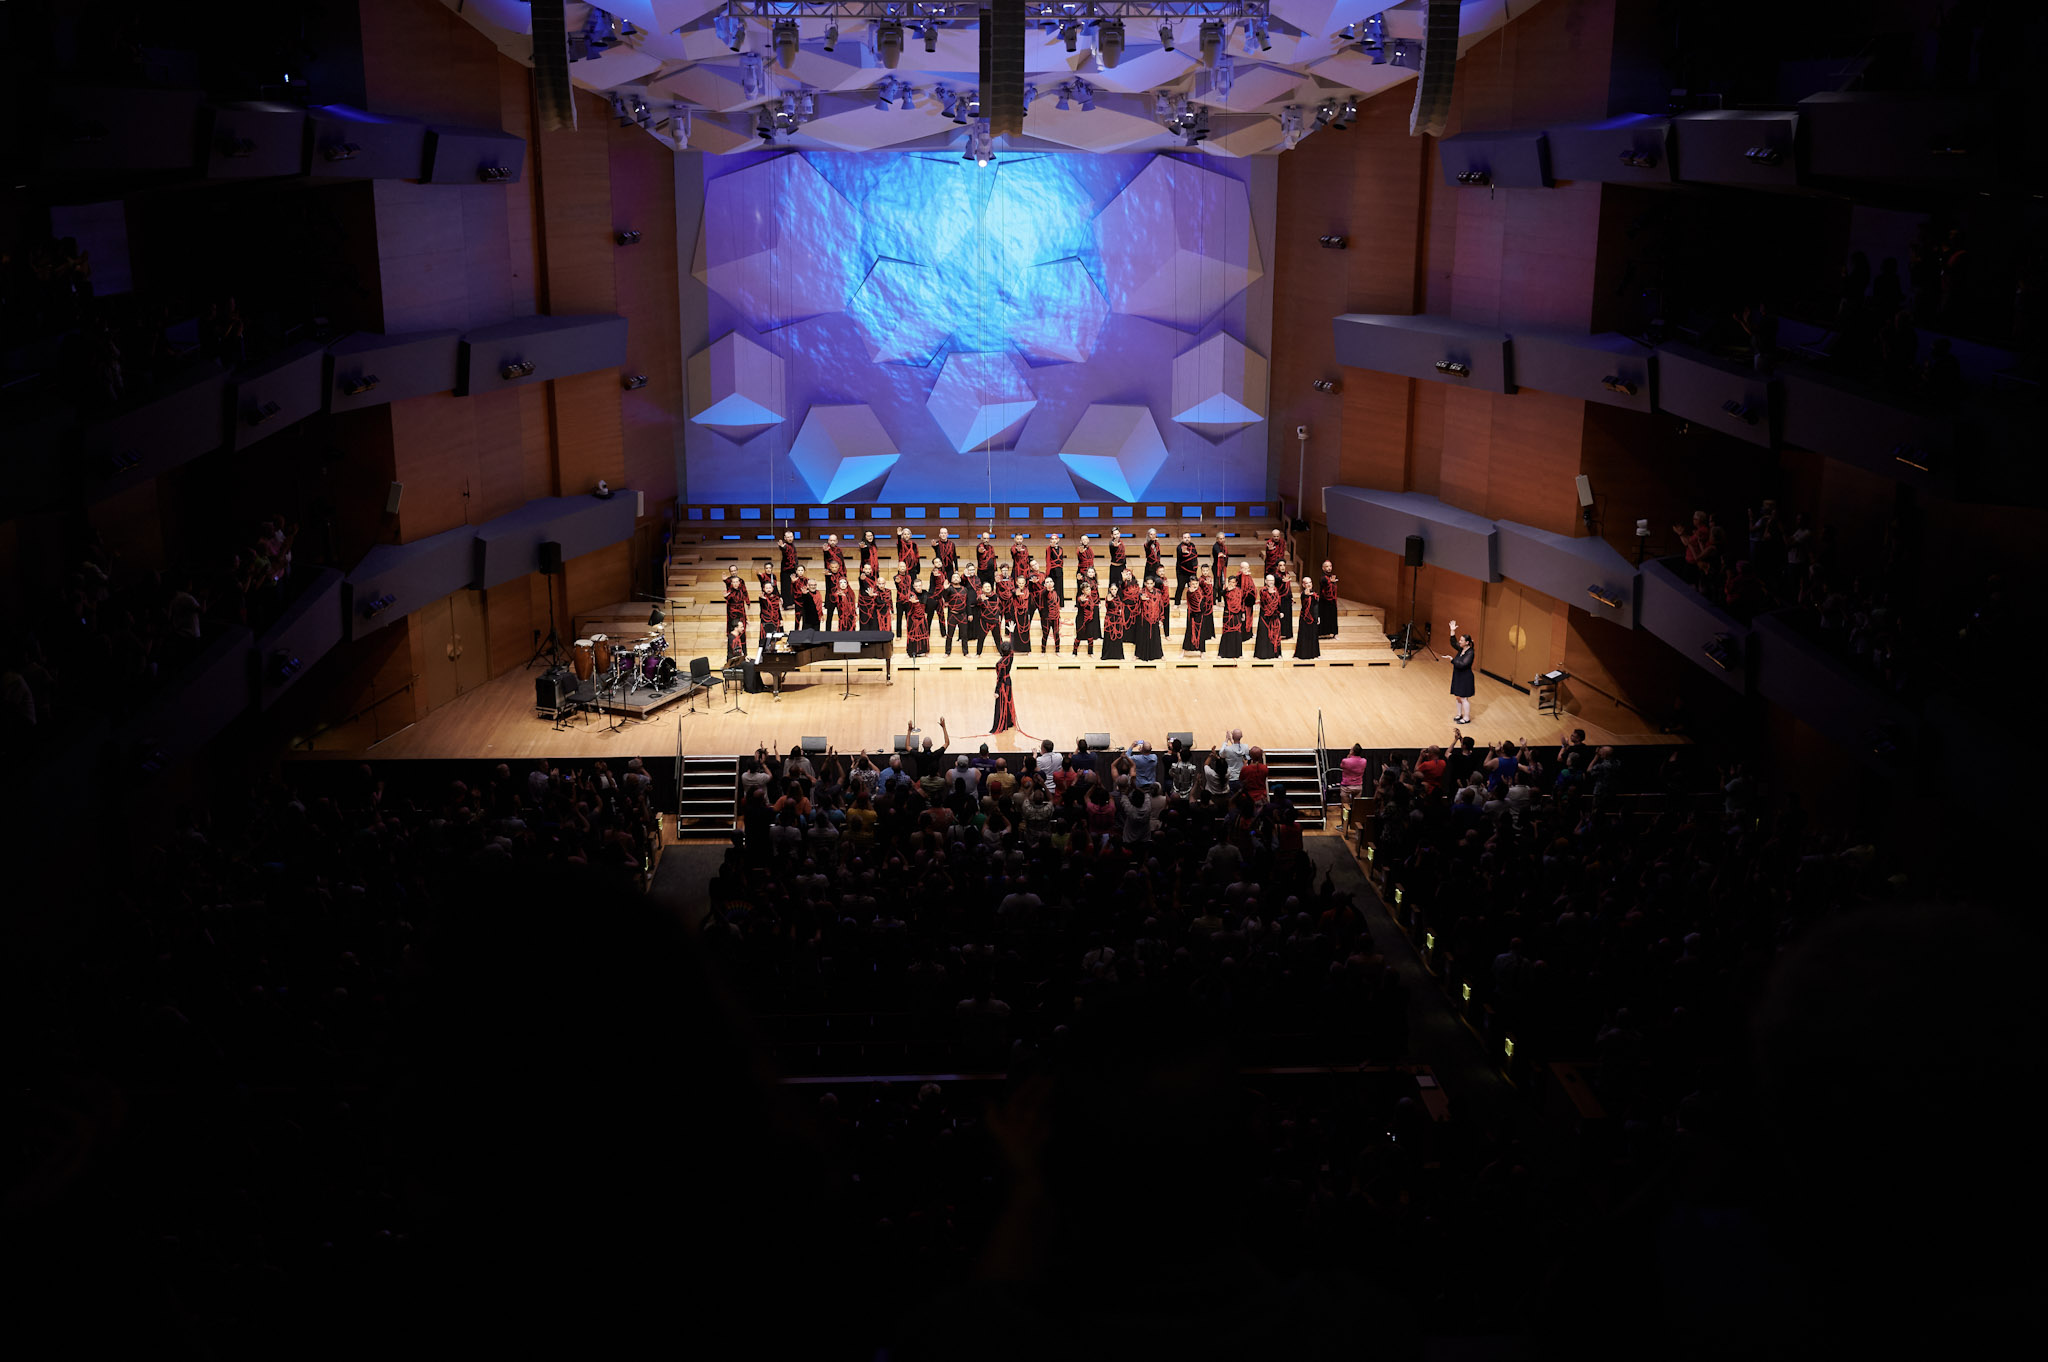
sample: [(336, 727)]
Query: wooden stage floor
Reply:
[(1275, 704)]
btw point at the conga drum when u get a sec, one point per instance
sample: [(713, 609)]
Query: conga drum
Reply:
[(583, 657), (601, 649)]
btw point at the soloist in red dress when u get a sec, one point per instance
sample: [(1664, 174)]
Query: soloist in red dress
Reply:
[(1006, 701)]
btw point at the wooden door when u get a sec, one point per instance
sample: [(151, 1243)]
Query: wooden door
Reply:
[(435, 626), (1514, 637), (469, 640)]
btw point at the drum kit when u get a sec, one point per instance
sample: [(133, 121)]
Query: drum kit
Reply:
[(605, 666)]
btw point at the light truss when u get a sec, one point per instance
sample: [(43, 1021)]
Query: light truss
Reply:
[(1035, 12)]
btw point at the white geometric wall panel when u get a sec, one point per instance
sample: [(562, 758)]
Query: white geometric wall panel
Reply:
[(773, 274), (736, 386), (841, 449), (1219, 386), (1177, 244), (1116, 448), (980, 400)]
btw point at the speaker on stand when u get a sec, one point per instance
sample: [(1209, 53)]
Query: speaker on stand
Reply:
[(550, 649), (1411, 558)]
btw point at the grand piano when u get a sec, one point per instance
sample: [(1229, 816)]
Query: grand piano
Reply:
[(793, 651)]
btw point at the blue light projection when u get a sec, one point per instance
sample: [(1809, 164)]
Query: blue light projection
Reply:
[(967, 312)]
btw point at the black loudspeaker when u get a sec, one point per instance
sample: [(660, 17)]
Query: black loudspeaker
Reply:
[(552, 688), (554, 99), (1002, 67), (551, 556), (1411, 555), (1439, 64)]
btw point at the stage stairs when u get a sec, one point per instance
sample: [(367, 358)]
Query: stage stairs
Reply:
[(709, 798), (1298, 768)]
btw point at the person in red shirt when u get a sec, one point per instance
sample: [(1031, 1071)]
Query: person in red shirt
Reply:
[(786, 546), (870, 604), (1251, 777), (1219, 560), (1155, 555), (835, 557), (1020, 558), (1117, 557), (1115, 622), (1195, 638), (1276, 552), (1007, 606), (1187, 558), (735, 601), (771, 613), (804, 598), (906, 549), (1152, 614), (1056, 571), (1431, 769), (1326, 600), (1084, 558), (945, 557), (957, 604), (1232, 644), (919, 617), (1269, 621), (1035, 607)]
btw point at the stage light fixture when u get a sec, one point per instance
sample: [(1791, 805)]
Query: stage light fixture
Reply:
[(515, 368), (909, 96), (1615, 383), (1030, 93), (785, 42), (628, 237), (1764, 156), (1261, 35), (1455, 368), (1475, 179), (1913, 456), (1109, 42), (1374, 43), (355, 385), (1639, 160), (376, 605), (1406, 55), (1061, 102), (1723, 652), (885, 93), (341, 151), (283, 666), (237, 147), (1605, 596), (633, 382), (1070, 34), (889, 43), (1325, 385), (257, 413), (493, 174), (1740, 410), (1333, 243), (1212, 41), (931, 37), (1085, 92), (654, 617), (1166, 36)]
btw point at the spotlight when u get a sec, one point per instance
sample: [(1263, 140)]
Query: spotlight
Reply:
[(355, 385), (1764, 156), (629, 237), (237, 147), (1475, 179), (1610, 599), (1261, 35), (1455, 368), (257, 413), (931, 37), (1639, 159), (949, 105), (1212, 41), (1740, 410), (377, 605), (889, 43), (1325, 385), (515, 368), (1406, 55), (1061, 102), (1166, 36), (1085, 92), (341, 151), (1109, 42), (733, 29), (1913, 456), (1030, 93), (654, 618), (908, 95), (1334, 243), (1723, 652), (283, 666), (493, 174), (785, 42), (885, 93), (1070, 33), (1615, 383), (831, 37), (633, 382), (1374, 43)]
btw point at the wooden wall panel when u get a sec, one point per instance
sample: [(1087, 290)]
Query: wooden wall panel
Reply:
[(1368, 575), (1374, 432), (508, 613), (588, 439), (435, 456), (1548, 249), (511, 460), (643, 196), (573, 171), (1468, 447), (132, 522), (1426, 437), (596, 579), (1536, 443), (422, 256), (422, 60), (1478, 238)]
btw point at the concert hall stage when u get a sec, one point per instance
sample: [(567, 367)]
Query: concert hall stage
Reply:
[(1373, 700)]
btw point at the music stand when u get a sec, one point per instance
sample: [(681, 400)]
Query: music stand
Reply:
[(735, 685)]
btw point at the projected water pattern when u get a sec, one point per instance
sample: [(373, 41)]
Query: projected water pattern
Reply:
[(864, 272)]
